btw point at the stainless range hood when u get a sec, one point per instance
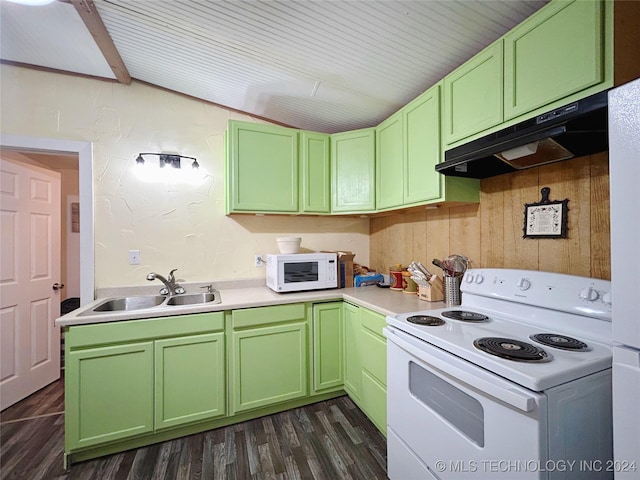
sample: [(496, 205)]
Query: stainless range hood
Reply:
[(574, 130)]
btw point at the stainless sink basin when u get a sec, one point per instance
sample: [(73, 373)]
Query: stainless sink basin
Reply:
[(127, 303), (123, 304), (194, 298)]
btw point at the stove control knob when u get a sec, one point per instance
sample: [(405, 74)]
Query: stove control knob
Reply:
[(469, 278), (589, 294), (606, 298), (524, 284), (479, 278)]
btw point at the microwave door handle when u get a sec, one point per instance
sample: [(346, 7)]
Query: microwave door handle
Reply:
[(514, 398)]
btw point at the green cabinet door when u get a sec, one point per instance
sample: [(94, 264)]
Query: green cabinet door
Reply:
[(108, 394), (374, 367), (190, 379), (315, 186), (374, 401), (422, 147), (352, 354), (390, 162), (328, 354), (262, 168), (555, 53), (268, 364), (473, 95), (353, 171)]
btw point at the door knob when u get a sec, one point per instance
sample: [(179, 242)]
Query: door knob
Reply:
[(58, 286)]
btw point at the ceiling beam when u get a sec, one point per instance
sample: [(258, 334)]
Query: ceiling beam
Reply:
[(91, 18)]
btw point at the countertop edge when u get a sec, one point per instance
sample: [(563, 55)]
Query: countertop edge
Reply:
[(383, 301)]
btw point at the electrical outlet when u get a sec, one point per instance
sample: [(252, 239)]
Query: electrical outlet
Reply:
[(258, 261), (134, 257)]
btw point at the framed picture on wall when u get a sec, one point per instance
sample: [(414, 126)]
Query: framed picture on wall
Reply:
[(546, 218)]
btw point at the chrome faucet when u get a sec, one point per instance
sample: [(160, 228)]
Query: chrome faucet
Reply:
[(170, 285)]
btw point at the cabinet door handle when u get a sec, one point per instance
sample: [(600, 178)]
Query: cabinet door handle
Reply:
[(58, 286)]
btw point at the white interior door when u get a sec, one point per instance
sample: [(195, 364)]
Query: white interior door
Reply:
[(29, 279)]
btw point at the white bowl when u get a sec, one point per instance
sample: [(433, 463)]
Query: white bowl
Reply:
[(289, 244)]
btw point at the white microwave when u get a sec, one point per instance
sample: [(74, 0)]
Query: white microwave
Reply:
[(301, 271)]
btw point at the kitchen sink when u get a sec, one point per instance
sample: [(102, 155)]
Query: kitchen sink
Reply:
[(194, 298), (123, 304), (127, 303)]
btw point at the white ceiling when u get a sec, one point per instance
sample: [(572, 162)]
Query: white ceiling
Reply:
[(328, 65)]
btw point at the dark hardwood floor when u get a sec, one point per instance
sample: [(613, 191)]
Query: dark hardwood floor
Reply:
[(328, 440)]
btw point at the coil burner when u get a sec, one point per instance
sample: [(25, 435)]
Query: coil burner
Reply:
[(560, 341), (426, 320), (511, 349), (465, 316)]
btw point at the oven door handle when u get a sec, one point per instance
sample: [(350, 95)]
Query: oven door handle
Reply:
[(517, 399)]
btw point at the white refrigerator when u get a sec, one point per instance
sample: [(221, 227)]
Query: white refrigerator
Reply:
[(624, 171)]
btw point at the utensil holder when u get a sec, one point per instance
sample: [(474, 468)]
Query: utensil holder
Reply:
[(452, 294)]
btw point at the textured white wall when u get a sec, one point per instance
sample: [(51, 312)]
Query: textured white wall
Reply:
[(173, 225)]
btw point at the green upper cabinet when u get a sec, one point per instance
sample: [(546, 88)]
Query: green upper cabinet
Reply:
[(553, 54), (353, 171), (473, 95), (408, 149), (390, 162), (315, 187), (262, 168), (421, 119)]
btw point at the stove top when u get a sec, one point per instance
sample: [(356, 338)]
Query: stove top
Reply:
[(543, 336)]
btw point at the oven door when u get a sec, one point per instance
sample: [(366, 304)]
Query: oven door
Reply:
[(458, 420)]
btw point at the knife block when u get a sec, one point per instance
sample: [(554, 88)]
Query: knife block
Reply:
[(433, 293)]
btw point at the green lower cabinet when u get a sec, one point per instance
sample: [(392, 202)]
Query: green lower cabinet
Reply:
[(374, 401), (108, 394), (374, 355), (352, 360), (268, 364), (374, 368), (366, 362), (190, 379), (328, 354), (134, 378)]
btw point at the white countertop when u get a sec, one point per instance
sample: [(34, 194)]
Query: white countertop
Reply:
[(381, 300)]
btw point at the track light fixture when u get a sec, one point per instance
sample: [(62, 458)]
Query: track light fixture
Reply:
[(167, 160)]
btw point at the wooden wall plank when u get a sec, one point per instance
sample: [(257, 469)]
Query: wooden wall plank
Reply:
[(490, 233), (523, 187), (570, 180), (600, 231), (464, 232), (437, 237), (492, 220)]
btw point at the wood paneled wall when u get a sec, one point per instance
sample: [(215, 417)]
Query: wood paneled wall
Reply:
[(490, 233)]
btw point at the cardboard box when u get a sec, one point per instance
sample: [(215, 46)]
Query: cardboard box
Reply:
[(344, 268)]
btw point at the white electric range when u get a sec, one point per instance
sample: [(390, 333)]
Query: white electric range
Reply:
[(513, 383)]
